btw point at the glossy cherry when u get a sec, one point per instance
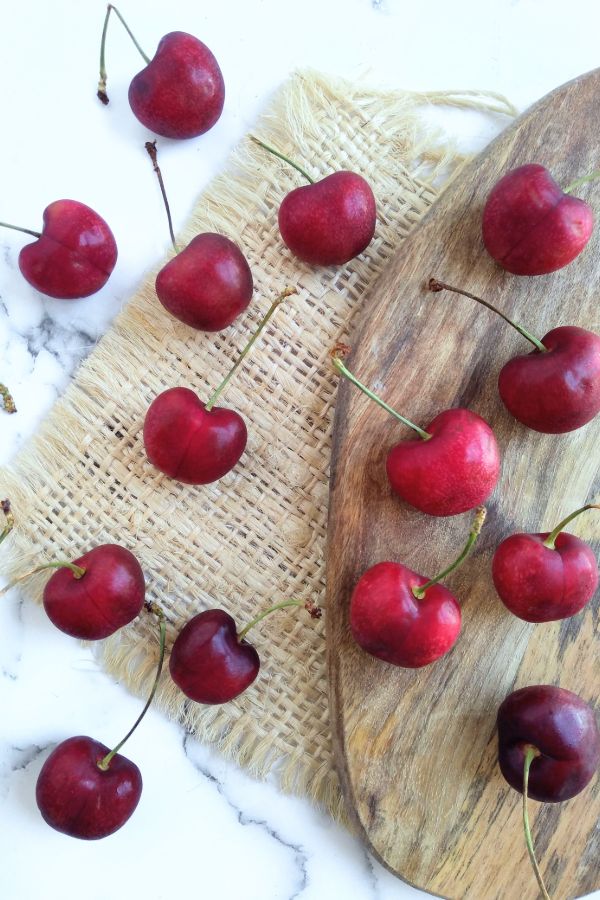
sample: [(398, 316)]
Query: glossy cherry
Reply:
[(404, 618), (180, 93), (327, 222), (196, 442), (209, 283), (531, 226), (95, 595), (211, 662), (452, 466), (73, 256), (554, 389), (84, 789), (548, 748), (548, 576)]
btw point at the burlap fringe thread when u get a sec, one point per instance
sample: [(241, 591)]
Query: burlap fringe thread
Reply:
[(257, 536)]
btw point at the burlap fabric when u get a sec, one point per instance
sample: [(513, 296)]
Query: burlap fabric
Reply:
[(257, 536)]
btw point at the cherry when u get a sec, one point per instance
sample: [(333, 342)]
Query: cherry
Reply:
[(451, 468), (211, 662), (84, 789), (74, 254), (404, 618), (94, 596), (180, 93), (196, 442), (209, 283), (554, 389), (548, 748), (546, 577), (328, 222), (530, 226)]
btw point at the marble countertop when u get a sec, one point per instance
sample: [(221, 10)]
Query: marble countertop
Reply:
[(203, 828)]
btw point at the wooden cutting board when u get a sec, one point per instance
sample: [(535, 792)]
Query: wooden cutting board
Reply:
[(416, 749)]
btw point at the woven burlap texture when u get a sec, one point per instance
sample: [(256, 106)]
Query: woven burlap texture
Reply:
[(258, 535)]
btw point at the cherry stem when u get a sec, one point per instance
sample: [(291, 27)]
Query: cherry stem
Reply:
[(153, 154), (313, 610), (550, 540), (35, 234), (154, 608), (434, 285), (531, 753), (579, 181), (9, 519), (480, 514), (7, 399), (78, 572), (286, 159), (340, 366), (102, 95), (215, 395)]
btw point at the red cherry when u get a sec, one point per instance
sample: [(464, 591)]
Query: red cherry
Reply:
[(563, 729), (404, 618), (327, 222), (208, 284), (208, 663), (545, 577), (451, 468), (530, 226), (453, 471), (554, 389), (180, 93), (188, 442), (558, 390), (74, 255), (196, 442), (76, 797), (96, 604)]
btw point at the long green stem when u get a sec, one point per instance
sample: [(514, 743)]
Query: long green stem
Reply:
[(340, 366), (436, 286), (530, 754), (286, 159), (102, 95), (7, 399), (480, 514), (215, 395), (153, 154), (35, 234), (9, 519), (551, 539), (78, 572), (309, 606), (579, 181), (153, 607)]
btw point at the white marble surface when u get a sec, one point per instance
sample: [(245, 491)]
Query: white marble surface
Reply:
[(203, 828)]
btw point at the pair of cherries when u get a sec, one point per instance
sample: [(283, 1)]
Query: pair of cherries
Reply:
[(85, 789)]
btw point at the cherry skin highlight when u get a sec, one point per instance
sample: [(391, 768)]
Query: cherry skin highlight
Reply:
[(389, 622), (208, 284), (559, 390), (530, 226), (190, 443), (181, 92), (329, 222), (108, 596), (453, 471), (540, 584), (74, 255), (78, 798), (208, 662), (562, 727)]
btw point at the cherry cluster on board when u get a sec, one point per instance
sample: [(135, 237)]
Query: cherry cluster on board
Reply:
[(530, 227)]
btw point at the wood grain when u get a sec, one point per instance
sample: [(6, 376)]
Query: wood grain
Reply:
[(416, 750)]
